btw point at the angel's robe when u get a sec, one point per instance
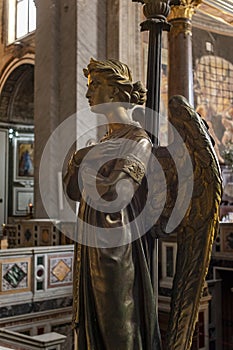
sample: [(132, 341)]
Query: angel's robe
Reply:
[(114, 304)]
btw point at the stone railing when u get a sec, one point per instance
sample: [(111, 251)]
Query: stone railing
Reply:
[(35, 273), (12, 340)]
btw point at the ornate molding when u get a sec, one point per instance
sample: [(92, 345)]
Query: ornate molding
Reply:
[(225, 6), (156, 9), (207, 22), (186, 9), (223, 13)]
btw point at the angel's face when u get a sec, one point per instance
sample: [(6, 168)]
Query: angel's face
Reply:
[(99, 91)]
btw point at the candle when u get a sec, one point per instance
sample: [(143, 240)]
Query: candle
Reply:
[(30, 206), (3, 229)]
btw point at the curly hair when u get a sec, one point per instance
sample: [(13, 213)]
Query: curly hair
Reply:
[(118, 74)]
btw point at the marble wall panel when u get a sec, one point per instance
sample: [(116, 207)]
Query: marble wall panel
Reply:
[(15, 275)]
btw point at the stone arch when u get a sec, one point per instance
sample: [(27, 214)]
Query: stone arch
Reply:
[(17, 93)]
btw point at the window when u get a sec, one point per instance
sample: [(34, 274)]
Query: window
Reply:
[(21, 19)]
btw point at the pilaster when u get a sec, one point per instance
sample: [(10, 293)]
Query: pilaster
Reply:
[(123, 35), (91, 40), (55, 86)]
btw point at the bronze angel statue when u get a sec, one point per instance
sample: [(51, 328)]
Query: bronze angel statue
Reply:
[(119, 189)]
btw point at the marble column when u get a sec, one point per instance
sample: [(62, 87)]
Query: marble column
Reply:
[(180, 76), (180, 65), (55, 88)]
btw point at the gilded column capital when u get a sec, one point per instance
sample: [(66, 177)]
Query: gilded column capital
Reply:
[(186, 9)]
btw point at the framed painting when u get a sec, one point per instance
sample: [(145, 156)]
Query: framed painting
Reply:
[(214, 79), (23, 197), (24, 157)]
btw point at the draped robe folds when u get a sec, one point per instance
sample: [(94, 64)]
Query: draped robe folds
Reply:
[(114, 303)]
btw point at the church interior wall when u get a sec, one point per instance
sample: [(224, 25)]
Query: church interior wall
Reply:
[(99, 32)]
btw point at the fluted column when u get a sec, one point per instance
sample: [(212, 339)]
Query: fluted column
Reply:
[(180, 49)]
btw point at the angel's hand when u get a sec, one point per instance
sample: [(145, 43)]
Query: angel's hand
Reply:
[(114, 192)]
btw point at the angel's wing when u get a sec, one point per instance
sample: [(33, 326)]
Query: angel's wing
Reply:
[(195, 201)]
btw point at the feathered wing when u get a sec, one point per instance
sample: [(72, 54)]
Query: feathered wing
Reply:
[(193, 204)]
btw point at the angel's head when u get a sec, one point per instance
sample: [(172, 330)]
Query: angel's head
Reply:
[(111, 81)]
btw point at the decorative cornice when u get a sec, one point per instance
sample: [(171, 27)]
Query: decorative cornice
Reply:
[(186, 9), (210, 23), (219, 11), (225, 6)]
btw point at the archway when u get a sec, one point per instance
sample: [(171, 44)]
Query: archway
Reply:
[(17, 120), (17, 96)]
